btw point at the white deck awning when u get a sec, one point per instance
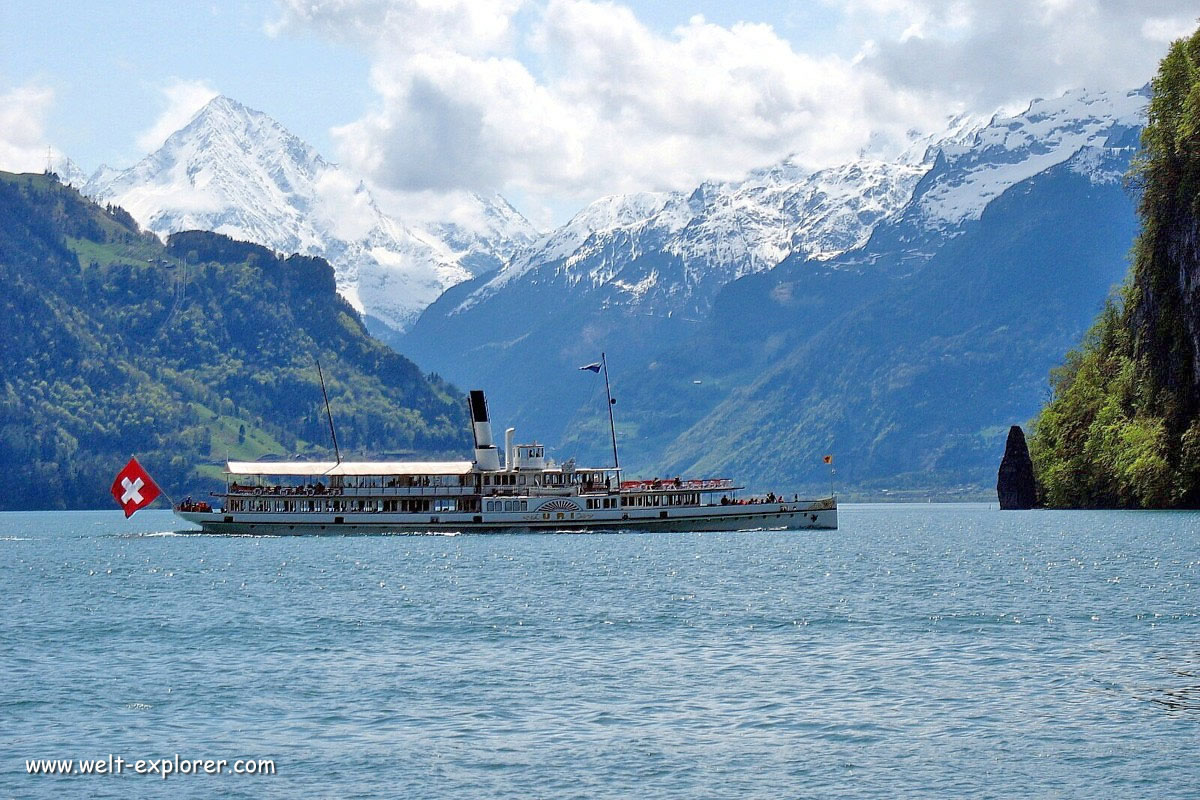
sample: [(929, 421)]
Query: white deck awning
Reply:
[(324, 468)]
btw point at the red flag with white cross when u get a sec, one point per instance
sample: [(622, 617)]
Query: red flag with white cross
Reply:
[(133, 489)]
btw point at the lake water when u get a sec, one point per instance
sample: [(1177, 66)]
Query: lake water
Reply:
[(919, 651)]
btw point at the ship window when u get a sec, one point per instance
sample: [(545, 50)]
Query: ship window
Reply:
[(524, 505)]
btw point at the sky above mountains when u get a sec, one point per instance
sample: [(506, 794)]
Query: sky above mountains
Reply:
[(554, 102)]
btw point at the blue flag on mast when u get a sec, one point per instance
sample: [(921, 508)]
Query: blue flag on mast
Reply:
[(593, 367)]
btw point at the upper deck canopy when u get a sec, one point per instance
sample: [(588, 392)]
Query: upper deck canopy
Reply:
[(323, 468)]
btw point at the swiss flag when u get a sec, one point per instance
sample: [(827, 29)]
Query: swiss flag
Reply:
[(133, 489)]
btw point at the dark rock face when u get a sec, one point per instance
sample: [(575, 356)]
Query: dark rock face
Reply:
[(1014, 484)]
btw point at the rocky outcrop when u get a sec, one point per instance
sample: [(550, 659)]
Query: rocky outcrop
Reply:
[(1014, 484)]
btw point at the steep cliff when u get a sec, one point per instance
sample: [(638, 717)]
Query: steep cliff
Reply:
[(1123, 427)]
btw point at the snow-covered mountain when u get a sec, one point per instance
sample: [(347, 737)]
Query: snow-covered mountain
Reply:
[(710, 236), (669, 253), (69, 172), (972, 171), (639, 275), (236, 171)]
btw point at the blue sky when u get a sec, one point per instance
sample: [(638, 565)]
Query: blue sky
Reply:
[(553, 102), (108, 64)]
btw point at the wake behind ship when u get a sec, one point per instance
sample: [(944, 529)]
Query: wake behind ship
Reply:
[(525, 492)]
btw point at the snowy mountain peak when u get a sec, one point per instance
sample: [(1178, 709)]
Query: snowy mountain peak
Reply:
[(976, 168), (237, 171), (69, 172)]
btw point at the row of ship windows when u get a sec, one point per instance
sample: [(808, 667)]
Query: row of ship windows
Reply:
[(398, 481), (546, 479), (438, 505), (647, 500), (413, 505), (506, 505)]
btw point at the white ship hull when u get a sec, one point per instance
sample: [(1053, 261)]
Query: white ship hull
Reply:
[(819, 514)]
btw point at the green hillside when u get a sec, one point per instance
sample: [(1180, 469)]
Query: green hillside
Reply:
[(183, 354), (1123, 426)]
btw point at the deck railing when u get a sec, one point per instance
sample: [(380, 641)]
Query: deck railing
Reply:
[(672, 485)]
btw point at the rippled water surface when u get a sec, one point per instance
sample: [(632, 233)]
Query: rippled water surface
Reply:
[(919, 651)]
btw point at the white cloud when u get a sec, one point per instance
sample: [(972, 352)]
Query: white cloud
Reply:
[(183, 99), (1167, 29), (598, 102), (987, 54), (344, 205), (404, 27), (22, 129), (565, 100)]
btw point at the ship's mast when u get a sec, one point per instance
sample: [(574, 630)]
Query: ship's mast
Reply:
[(329, 414), (612, 427)]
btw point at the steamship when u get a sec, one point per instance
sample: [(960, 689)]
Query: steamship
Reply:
[(526, 492)]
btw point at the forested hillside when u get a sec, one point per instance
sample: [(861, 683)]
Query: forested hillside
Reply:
[(183, 354), (1123, 428)]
